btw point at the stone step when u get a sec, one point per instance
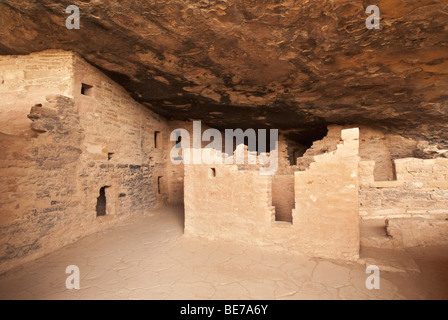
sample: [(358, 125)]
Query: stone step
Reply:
[(390, 260), (373, 235)]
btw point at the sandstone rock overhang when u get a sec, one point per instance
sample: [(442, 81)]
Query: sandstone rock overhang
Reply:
[(246, 63)]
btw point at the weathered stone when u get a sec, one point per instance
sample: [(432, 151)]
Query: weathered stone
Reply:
[(420, 188), (53, 178), (414, 232), (105, 154), (253, 64), (325, 220)]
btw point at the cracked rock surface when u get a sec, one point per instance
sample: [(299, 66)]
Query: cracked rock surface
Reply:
[(150, 259), (251, 63)]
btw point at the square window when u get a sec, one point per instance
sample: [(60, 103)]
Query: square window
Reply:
[(87, 90)]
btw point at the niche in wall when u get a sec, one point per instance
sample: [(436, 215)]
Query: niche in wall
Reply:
[(87, 90), (101, 205)]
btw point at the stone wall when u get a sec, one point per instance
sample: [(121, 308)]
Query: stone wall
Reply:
[(25, 80), (415, 232), (222, 202), (90, 139), (375, 145), (98, 139), (421, 190), (327, 201), (233, 205), (40, 207), (119, 148)]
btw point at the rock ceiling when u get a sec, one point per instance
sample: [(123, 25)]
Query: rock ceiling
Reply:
[(258, 63)]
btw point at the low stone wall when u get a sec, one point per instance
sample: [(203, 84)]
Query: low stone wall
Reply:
[(421, 190), (48, 191), (39, 207), (327, 202), (222, 202), (415, 232)]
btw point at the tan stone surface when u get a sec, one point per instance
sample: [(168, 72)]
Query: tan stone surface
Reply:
[(374, 235), (53, 167), (29, 79), (327, 202), (419, 191), (150, 259), (49, 185), (414, 232), (238, 205)]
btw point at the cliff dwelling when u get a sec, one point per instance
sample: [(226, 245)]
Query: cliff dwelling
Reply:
[(214, 150)]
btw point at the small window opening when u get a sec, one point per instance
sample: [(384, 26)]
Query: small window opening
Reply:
[(110, 156), (212, 173), (157, 139), (101, 204), (297, 154), (87, 90)]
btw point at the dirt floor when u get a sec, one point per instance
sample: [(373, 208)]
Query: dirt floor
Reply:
[(151, 259)]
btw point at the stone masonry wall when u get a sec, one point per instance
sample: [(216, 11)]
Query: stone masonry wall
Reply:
[(28, 79), (176, 172), (50, 184), (375, 145), (327, 201), (421, 190), (222, 202), (40, 209), (415, 232), (119, 149), (233, 205)]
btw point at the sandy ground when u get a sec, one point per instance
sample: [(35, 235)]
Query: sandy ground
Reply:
[(151, 259)]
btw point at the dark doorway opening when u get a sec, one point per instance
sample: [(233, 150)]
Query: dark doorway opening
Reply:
[(101, 205), (283, 197)]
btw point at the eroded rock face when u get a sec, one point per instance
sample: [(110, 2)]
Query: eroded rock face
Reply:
[(283, 64)]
